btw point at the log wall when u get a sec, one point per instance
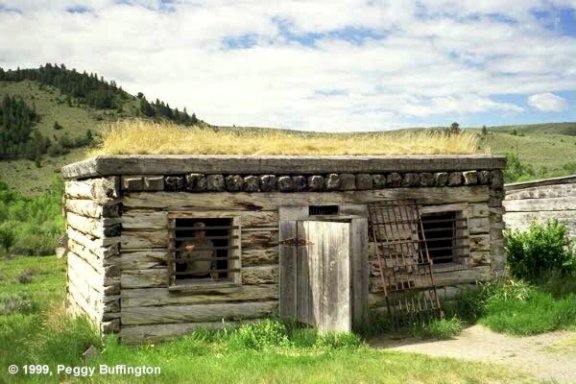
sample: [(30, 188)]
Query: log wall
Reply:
[(541, 200), (119, 234), (92, 209)]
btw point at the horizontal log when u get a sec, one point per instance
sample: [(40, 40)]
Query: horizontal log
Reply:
[(234, 164), (91, 208), (147, 278), (259, 256), (522, 220), (478, 225), (95, 261), (479, 242), (161, 296), (462, 275), (248, 219), (141, 240), (273, 200), (260, 239), (541, 183), (101, 190), (167, 314), (92, 298), (260, 275), (444, 276), (159, 332), (80, 244), (540, 192), (143, 260), (144, 219), (87, 310), (98, 228), (539, 205), (90, 241), (478, 258), (84, 271)]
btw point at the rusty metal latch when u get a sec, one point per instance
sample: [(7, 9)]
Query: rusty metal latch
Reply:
[(295, 242)]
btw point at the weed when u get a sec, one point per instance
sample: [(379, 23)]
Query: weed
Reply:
[(11, 303), (260, 335), (338, 340), (437, 328), (26, 277)]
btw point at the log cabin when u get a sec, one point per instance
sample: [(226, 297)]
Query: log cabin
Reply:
[(293, 236)]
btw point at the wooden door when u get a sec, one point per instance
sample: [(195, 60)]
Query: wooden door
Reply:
[(323, 276)]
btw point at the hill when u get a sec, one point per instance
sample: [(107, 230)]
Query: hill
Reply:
[(51, 115), (67, 111)]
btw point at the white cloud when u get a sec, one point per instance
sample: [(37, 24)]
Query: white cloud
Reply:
[(547, 102), (453, 60)]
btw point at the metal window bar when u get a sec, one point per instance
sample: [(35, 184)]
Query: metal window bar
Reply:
[(175, 259), (403, 261)]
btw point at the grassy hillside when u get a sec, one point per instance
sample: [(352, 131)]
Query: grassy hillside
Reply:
[(546, 150), (542, 150)]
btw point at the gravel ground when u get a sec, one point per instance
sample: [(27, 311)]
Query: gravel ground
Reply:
[(551, 357)]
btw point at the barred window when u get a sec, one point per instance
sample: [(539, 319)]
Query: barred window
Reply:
[(446, 236), (203, 250)]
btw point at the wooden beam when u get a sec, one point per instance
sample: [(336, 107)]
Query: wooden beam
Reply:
[(91, 208), (147, 278), (132, 334), (271, 201), (162, 296), (148, 259), (167, 314), (540, 183), (101, 190), (241, 164), (540, 205), (100, 228)]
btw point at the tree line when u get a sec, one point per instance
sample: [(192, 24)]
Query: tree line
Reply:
[(94, 91), (19, 138)]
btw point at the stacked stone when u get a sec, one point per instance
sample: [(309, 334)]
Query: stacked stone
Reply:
[(198, 182)]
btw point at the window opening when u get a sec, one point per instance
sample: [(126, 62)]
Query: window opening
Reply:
[(204, 250), (444, 233), (314, 210)]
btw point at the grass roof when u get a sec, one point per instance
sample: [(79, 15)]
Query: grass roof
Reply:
[(145, 137)]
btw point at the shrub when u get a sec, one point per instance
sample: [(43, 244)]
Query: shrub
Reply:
[(540, 250), (260, 335), (516, 170), (11, 303)]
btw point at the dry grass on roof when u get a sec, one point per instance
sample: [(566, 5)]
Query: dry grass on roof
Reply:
[(144, 137)]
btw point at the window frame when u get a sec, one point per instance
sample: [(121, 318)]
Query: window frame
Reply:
[(234, 253), (461, 240)]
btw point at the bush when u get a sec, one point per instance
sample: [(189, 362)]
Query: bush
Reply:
[(516, 170), (543, 249), (260, 335)]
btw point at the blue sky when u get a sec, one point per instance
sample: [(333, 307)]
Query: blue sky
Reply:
[(338, 65)]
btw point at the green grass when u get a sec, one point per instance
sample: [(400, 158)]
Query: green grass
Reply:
[(269, 352), (540, 312), (547, 154)]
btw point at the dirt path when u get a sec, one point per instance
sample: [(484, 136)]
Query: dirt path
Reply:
[(550, 357)]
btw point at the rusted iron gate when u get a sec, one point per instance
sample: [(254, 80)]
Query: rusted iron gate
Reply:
[(402, 261)]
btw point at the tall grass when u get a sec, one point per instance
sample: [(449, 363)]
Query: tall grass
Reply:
[(145, 137), (30, 225)]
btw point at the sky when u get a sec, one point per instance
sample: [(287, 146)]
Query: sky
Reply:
[(322, 65)]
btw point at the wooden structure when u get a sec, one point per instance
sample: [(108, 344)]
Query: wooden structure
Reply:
[(290, 235), (541, 200)]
